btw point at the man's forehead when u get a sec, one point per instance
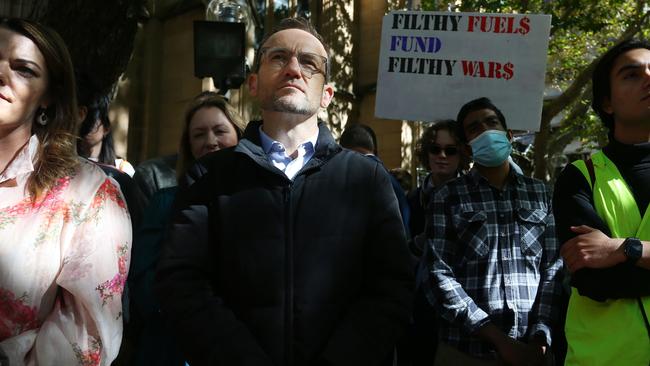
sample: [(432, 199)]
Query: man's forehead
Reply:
[(636, 56), (296, 39), (479, 114)]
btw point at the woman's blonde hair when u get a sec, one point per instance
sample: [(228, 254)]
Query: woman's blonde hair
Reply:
[(56, 156), (204, 100)]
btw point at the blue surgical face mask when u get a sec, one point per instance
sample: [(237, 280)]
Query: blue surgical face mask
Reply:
[(491, 148)]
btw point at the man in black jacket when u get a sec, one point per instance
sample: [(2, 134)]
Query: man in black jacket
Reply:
[(286, 249)]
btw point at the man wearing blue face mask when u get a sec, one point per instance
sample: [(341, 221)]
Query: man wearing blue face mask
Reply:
[(493, 258)]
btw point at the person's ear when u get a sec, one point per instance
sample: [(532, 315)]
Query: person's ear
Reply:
[(607, 105), (510, 135), (328, 94), (252, 84), (46, 101), (82, 113)]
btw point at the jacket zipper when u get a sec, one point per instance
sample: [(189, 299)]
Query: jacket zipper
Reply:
[(288, 276)]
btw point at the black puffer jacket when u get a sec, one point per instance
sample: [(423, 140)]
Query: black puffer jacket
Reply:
[(262, 270)]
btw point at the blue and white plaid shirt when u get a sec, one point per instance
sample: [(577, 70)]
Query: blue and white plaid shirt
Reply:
[(492, 256)]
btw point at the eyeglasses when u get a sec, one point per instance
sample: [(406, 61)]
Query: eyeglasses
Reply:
[(310, 63), (449, 150)]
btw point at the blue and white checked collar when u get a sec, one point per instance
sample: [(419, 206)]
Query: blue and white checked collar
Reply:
[(277, 154)]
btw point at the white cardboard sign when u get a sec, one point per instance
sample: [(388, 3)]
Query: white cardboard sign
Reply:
[(431, 63)]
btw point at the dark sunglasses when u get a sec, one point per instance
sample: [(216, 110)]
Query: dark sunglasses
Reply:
[(449, 150)]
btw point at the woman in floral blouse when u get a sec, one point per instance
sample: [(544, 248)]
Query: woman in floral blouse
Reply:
[(65, 234)]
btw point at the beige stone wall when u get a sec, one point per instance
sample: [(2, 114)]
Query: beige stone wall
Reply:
[(158, 85), (178, 85), (369, 17), (389, 132)]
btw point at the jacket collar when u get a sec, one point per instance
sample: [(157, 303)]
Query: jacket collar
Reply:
[(251, 145)]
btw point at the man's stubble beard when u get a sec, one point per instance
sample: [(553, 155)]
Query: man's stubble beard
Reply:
[(280, 104)]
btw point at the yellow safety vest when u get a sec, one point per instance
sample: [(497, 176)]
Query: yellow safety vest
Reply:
[(611, 332)]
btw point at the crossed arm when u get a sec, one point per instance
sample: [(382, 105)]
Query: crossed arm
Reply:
[(596, 260), (591, 248)]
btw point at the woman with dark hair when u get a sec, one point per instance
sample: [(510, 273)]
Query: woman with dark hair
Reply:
[(65, 234), (210, 124), (96, 141)]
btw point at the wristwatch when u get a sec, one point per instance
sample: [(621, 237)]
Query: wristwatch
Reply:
[(633, 249)]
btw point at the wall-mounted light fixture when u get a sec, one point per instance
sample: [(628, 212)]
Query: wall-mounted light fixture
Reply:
[(220, 44)]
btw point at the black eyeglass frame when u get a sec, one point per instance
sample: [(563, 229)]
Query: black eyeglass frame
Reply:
[(449, 150)]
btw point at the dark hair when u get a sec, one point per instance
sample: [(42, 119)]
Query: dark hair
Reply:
[(56, 155), (204, 100), (96, 110), (293, 23), (472, 106), (601, 82), (428, 139), (359, 135)]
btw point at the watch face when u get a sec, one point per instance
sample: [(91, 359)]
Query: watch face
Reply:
[(633, 249)]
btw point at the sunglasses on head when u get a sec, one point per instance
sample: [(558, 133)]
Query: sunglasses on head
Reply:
[(449, 150)]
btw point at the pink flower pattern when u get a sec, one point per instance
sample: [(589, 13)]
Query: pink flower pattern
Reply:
[(115, 286), (90, 357), (16, 316), (51, 203), (56, 208), (106, 192)]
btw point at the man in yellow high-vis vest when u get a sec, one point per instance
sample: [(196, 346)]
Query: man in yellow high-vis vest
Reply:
[(603, 221)]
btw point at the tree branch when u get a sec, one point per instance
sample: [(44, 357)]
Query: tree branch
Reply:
[(556, 105), (553, 107)]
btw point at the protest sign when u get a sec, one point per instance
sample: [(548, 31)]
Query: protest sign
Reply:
[(431, 63)]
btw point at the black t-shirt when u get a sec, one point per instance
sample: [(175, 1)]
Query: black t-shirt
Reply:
[(573, 205)]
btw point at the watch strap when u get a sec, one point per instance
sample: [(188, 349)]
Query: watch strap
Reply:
[(633, 249)]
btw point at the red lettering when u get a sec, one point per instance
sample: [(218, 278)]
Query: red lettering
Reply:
[(481, 69), (508, 69), (524, 26), (495, 70), (471, 23), (484, 25), (497, 24), (488, 69), (511, 24), (469, 67)]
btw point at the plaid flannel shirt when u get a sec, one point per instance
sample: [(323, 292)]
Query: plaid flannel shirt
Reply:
[(492, 256)]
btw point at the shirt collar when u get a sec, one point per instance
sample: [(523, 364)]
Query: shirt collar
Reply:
[(270, 146), (477, 178), (23, 163)]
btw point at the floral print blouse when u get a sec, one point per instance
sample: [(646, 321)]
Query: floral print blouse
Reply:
[(63, 264)]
